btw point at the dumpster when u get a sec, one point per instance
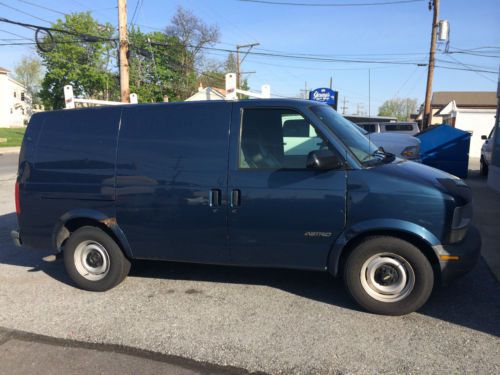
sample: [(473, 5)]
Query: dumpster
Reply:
[(446, 148)]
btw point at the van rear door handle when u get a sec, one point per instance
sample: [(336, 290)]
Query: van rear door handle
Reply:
[(214, 197), (235, 198)]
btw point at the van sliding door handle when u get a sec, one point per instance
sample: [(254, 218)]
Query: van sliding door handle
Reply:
[(235, 198), (214, 197)]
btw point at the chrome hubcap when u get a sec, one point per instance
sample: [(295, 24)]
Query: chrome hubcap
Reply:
[(91, 260), (387, 277)]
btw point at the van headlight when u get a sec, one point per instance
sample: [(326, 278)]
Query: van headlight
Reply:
[(411, 152), (462, 217)]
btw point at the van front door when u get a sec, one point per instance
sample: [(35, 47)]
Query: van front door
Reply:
[(281, 213)]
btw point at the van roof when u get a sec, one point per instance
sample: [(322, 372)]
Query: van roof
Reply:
[(273, 102)]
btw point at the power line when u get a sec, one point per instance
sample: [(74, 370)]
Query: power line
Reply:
[(14, 34), (25, 13), (138, 6), (86, 37), (42, 7), (469, 67), (266, 2)]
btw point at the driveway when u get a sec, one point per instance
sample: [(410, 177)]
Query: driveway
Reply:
[(275, 321)]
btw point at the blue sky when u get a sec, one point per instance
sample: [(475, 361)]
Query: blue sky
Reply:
[(390, 33)]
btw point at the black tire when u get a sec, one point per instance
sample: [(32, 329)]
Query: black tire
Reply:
[(483, 168), (372, 255), (102, 252)]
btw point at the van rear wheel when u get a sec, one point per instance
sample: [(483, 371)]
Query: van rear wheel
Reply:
[(93, 260), (388, 275)]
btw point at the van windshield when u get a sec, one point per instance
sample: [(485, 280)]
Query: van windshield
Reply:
[(351, 135)]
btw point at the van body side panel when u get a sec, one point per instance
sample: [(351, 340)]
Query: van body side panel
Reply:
[(170, 157), (70, 165), (286, 218), (379, 195)]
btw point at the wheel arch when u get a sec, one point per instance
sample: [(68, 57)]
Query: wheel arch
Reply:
[(72, 220), (423, 240)]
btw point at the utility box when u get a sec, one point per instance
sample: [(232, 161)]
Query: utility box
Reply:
[(446, 148)]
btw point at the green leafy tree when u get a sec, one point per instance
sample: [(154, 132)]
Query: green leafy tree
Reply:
[(155, 70), (401, 108), (85, 63), (29, 72)]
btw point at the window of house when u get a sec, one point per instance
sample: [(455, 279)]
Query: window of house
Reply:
[(15, 94), (274, 138)]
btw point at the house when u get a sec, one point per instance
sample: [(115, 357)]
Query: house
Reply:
[(208, 93), (15, 104), (472, 111)]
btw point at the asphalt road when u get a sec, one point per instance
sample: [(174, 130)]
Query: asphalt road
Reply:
[(276, 321)]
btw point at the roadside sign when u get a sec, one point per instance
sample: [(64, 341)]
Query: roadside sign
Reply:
[(325, 95)]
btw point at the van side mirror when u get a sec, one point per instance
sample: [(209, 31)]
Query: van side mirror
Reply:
[(323, 159), (484, 137)]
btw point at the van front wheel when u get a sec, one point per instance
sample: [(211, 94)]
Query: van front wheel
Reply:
[(387, 275), (93, 260)]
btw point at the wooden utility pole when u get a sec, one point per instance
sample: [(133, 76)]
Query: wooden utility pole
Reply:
[(123, 51), (430, 72)]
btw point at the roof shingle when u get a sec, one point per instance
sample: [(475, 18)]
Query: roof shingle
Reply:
[(465, 98)]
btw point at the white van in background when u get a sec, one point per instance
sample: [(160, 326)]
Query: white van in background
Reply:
[(298, 136), (410, 128)]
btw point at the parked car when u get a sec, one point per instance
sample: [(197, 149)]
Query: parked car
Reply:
[(486, 152), (401, 145), (410, 128), (218, 182)]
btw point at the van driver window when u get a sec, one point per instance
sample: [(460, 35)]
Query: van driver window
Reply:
[(277, 139)]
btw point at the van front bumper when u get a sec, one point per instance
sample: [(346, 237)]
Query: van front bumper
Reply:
[(467, 251), (16, 238)]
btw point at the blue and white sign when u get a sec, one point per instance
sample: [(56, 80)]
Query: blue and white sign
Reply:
[(324, 95)]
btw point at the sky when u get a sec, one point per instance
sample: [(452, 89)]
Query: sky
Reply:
[(391, 33)]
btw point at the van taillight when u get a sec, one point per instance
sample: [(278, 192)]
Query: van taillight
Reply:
[(18, 206)]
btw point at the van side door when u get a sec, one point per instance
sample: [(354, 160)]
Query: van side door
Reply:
[(171, 181), (281, 213)]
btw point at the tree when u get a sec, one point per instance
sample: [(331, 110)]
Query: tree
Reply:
[(29, 72), (154, 66), (214, 73), (194, 35), (401, 108), (79, 61)]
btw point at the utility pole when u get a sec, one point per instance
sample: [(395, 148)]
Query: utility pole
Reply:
[(305, 91), (369, 94), (123, 51), (331, 83), (344, 106), (238, 62), (430, 72)]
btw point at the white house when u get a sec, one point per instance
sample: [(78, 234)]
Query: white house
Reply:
[(208, 93), (476, 120), (15, 105)]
